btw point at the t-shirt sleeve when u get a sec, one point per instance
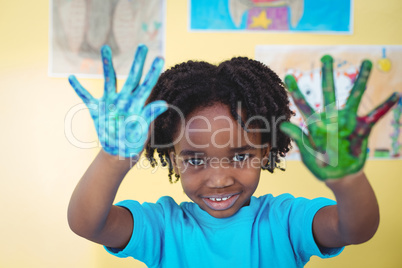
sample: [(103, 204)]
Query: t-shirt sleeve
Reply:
[(147, 237), (301, 212)]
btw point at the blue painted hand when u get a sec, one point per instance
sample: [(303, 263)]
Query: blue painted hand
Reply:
[(121, 118)]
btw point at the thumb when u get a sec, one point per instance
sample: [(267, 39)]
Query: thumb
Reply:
[(308, 153), (294, 132), (153, 110), (85, 96)]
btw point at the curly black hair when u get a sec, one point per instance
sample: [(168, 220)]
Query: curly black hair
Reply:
[(196, 84)]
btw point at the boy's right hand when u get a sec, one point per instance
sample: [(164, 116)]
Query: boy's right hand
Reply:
[(121, 120)]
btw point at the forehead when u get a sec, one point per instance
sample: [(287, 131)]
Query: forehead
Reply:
[(214, 127)]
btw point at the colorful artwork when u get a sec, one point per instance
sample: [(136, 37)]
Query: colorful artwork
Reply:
[(79, 28), (271, 15), (303, 62), (396, 124)]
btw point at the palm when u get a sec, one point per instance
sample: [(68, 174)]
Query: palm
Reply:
[(120, 118), (337, 141)]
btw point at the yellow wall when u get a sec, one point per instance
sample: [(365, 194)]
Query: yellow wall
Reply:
[(40, 168)]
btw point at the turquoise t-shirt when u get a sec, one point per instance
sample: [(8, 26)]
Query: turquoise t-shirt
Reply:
[(270, 232)]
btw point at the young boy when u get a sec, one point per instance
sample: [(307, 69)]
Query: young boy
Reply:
[(216, 127)]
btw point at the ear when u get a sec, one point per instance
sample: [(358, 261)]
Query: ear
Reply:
[(265, 150), (173, 159)]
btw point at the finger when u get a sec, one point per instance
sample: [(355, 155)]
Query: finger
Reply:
[(328, 85), (359, 86), (297, 134), (85, 96), (298, 98), (291, 130), (153, 110), (382, 109), (137, 67), (313, 159), (108, 71), (139, 125), (142, 93)]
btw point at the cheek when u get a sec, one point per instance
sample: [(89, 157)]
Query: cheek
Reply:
[(185, 169), (192, 181), (188, 186), (254, 164), (250, 176)]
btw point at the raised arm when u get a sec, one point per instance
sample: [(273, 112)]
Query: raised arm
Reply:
[(354, 219), (122, 124), (335, 150), (91, 213)]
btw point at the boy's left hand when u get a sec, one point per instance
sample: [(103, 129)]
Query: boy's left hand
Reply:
[(337, 141)]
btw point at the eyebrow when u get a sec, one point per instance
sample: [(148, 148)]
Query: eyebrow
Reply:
[(242, 149), (190, 153), (232, 150)]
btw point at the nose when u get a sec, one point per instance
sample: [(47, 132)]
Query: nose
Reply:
[(219, 177)]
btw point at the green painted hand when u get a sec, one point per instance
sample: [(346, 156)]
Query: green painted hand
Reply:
[(336, 143), (121, 120)]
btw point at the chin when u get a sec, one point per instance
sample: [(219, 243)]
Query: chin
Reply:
[(221, 213)]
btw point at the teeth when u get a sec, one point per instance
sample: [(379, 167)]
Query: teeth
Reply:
[(219, 199)]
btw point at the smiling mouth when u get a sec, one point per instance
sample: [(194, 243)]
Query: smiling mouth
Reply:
[(220, 199), (221, 203)]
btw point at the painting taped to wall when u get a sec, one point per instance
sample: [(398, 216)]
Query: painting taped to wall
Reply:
[(304, 63), (80, 27), (272, 15)]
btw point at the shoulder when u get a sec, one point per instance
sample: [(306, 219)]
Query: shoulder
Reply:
[(163, 206), (166, 201), (289, 200), (271, 201), (286, 205)]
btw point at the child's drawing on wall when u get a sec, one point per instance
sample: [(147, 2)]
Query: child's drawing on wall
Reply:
[(271, 15), (81, 27), (300, 61)]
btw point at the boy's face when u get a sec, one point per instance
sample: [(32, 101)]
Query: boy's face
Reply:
[(219, 163)]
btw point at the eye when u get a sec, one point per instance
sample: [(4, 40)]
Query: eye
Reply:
[(195, 161), (240, 157)]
